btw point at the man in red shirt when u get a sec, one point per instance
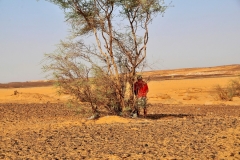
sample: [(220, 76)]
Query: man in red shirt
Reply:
[(140, 91)]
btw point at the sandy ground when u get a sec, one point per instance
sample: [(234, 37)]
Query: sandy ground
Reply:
[(173, 91), (53, 131), (189, 91), (185, 121)]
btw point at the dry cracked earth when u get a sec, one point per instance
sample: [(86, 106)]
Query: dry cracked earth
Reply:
[(53, 131)]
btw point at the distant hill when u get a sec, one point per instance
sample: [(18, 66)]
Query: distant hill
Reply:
[(26, 84), (204, 72)]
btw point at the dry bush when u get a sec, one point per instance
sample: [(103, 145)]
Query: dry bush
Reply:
[(94, 92), (235, 86), (222, 93), (231, 90)]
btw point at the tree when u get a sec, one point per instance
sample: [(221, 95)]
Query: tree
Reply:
[(119, 50)]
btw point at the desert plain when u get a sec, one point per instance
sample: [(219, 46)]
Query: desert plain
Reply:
[(186, 120)]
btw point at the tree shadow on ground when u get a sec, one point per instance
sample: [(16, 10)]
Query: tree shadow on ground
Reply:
[(161, 116)]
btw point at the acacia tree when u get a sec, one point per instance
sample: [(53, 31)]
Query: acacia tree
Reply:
[(120, 32)]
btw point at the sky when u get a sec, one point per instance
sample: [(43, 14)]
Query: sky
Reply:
[(191, 33)]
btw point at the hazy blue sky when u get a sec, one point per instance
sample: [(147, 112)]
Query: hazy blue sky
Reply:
[(193, 33)]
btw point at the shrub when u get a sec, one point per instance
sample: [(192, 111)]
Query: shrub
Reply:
[(235, 86), (231, 90)]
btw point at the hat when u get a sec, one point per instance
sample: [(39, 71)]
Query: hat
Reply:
[(139, 77)]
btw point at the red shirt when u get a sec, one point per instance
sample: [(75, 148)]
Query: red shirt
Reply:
[(141, 88)]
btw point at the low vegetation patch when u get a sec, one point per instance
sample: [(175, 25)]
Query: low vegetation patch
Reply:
[(231, 90)]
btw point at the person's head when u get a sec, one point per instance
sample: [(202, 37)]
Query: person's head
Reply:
[(139, 77)]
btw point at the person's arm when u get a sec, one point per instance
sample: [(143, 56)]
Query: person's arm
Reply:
[(147, 88), (135, 89)]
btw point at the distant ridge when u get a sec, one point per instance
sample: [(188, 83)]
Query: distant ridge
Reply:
[(26, 84), (200, 72), (204, 72)]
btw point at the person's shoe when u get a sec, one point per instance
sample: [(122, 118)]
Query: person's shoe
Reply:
[(95, 116), (134, 115)]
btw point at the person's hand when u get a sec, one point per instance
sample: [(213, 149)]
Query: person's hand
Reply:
[(135, 92)]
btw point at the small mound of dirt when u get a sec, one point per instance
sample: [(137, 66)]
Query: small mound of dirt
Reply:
[(111, 119)]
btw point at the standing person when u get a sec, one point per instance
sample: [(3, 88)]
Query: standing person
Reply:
[(140, 91)]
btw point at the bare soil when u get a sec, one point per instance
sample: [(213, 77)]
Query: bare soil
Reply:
[(54, 131)]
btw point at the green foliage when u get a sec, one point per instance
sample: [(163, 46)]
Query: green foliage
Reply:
[(142, 8), (87, 15)]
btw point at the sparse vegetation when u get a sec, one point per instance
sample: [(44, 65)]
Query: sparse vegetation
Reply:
[(231, 90), (15, 92)]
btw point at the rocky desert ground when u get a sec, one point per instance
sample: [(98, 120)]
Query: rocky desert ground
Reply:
[(185, 121)]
